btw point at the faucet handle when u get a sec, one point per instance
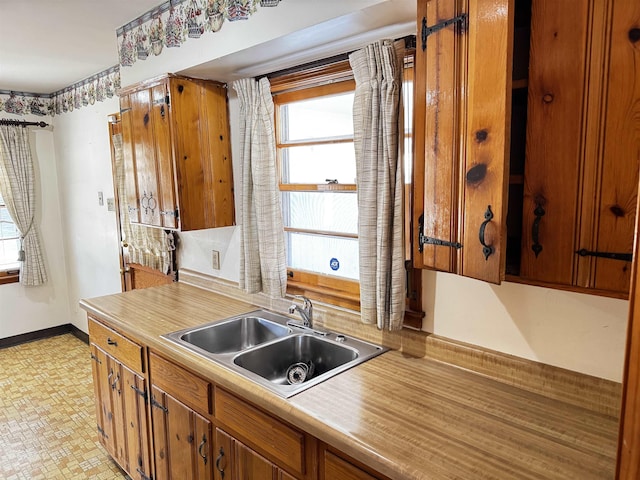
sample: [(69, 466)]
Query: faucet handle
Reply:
[(307, 305), (292, 309)]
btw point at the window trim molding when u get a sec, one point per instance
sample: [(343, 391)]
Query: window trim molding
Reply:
[(9, 276)]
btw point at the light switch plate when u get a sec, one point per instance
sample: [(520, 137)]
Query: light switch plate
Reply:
[(215, 259)]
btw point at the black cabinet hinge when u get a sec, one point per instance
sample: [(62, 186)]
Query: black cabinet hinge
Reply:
[(424, 240), (124, 110), (142, 393), (102, 432), (625, 257), (143, 476), (426, 31), (166, 100), (96, 359), (155, 403)]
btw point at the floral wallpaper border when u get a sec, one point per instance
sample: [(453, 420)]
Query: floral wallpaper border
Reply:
[(172, 23), (168, 25), (94, 89)]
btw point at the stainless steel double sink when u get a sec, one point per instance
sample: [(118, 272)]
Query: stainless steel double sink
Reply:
[(273, 351)]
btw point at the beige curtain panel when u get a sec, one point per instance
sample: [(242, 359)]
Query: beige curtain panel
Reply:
[(150, 247), (377, 119), (17, 184), (262, 253)]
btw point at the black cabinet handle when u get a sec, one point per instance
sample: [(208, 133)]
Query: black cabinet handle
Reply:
[(111, 342), (115, 382), (220, 470), (535, 229), (202, 444), (486, 249)]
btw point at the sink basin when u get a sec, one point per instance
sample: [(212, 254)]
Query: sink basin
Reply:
[(235, 335), (266, 348), (314, 355)]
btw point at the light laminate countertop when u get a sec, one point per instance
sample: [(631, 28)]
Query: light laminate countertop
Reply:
[(408, 418)]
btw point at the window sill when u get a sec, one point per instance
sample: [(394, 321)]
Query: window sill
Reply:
[(9, 276)]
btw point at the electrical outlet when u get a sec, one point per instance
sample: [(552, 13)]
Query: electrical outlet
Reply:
[(111, 204), (215, 259)]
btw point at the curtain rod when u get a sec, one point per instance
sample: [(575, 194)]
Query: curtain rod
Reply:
[(409, 41), (5, 121)]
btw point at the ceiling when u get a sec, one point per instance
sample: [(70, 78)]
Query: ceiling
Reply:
[(46, 45)]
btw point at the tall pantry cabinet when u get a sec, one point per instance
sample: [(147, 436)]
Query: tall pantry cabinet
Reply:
[(528, 166)]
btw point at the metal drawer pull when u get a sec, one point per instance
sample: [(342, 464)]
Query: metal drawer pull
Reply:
[(486, 249), (220, 470), (625, 257), (202, 444), (111, 342)]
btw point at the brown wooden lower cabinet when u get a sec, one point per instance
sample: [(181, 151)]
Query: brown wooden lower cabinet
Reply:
[(183, 427)]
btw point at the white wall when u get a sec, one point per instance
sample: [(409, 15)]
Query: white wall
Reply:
[(27, 309), (90, 231), (584, 333)]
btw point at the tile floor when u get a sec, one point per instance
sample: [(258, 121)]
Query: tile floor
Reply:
[(47, 413)]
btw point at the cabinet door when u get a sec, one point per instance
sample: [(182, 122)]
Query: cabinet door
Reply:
[(581, 170), (104, 407), (236, 461), (251, 465), (462, 108), (615, 201), (115, 378), (160, 117), (143, 141), (554, 113), (336, 468), (182, 439), (129, 161), (224, 467), (134, 394)]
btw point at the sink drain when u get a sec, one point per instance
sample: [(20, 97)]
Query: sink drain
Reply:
[(299, 372)]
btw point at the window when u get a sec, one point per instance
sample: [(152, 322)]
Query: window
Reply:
[(317, 169), (9, 247)]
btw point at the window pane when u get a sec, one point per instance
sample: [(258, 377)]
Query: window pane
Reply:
[(7, 227), (321, 117), (326, 211), (319, 163), (322, 254), (9, 253)]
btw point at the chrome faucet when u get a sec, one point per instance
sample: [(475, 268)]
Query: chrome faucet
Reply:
[(306, 312)]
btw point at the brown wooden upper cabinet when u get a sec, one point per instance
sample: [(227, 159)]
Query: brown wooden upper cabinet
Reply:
[(462, 115), (177, 153), (528, 166)]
